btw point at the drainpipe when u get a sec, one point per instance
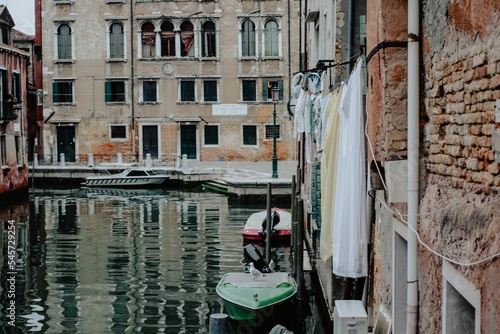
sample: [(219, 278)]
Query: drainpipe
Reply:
[(413, 163), (289, 54), (350, 27), (132, 100)]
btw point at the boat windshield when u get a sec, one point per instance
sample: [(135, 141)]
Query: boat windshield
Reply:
[(137, 173)]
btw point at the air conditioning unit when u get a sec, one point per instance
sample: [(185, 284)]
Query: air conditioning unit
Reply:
[(349, 317)]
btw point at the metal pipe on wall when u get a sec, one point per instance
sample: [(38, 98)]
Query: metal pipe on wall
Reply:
[(413, 164)]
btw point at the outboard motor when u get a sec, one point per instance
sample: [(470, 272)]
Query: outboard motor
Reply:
[(252, 254)]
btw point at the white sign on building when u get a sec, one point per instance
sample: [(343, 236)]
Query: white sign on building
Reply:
[(229, 109)]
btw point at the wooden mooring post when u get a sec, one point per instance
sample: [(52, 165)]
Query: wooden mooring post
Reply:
[(217, 323), (299, 250)]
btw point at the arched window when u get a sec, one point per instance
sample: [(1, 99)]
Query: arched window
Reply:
[(208, 42), (271, 38), (148, 40), (167, 39), (64, 42), (248, 39), (187, 39), (116, 46)]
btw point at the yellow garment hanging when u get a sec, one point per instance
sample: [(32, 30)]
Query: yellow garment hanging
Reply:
[(328, 172)]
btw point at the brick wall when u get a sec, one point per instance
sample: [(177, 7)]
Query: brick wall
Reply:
[(462, 90)]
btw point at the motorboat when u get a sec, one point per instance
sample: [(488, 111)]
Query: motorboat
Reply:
[(256, 295), (256, 226), (129, 178)]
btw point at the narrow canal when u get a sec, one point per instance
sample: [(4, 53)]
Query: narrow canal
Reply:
[(127, 261)]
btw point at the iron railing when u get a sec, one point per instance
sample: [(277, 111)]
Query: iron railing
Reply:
[(85, 159)]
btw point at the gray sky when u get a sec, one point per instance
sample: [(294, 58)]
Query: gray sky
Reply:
[(23, 13)]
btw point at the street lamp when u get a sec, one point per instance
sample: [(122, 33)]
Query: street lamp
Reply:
[(276, 95)]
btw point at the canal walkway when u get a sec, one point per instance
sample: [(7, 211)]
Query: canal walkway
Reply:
[(243, 180)]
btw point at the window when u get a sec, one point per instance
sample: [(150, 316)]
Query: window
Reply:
[(3, 150), (4, 35), (187, 91), (114, 91), (268, 85), (271, 39), (249, 90), (16, 87), (118, 131), (187, 38), (248, 39), (149, 91), (269, 131), (64, 50), (167, 39), (461, 312), (210, 90), (62, 91), (116, 41), (148, 36), (249, 135), (19, 156), (208, 41), (211, 135), (4, 91)]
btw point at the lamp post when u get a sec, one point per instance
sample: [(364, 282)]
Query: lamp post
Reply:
[(275, 94)]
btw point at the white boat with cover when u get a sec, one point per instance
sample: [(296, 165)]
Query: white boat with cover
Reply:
[(129, 178)]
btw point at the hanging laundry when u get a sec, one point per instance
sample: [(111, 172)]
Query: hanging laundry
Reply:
[(349, 246), (317, 123), (328, 168), (299, 113)]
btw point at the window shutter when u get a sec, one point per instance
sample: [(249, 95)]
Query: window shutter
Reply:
[(107, 91), (280, 86), (55, 92), (264, 90)]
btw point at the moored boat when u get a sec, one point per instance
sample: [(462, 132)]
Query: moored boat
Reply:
[(258, 294), (281, 230), (247, 297), (129, 178)]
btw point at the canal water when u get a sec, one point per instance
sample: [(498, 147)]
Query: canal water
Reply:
[(125, 261)]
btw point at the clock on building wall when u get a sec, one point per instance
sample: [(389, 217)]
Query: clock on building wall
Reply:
[(168, 68)]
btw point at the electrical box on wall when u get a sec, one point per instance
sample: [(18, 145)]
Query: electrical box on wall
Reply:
[(349, 317)]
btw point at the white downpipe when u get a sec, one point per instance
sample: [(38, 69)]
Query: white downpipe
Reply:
[(413, 163)]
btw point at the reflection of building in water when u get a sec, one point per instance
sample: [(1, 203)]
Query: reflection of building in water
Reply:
[(123, 262), (27, 266)]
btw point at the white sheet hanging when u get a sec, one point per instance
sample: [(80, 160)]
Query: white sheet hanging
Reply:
[(349, 213)]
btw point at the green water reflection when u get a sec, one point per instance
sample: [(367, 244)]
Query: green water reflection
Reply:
[(123, 261)]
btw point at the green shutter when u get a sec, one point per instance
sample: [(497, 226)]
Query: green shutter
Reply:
[(280, 87), (55, 92), (107, 91), (264, 90)]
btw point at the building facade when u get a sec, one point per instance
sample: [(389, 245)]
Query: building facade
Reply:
[(13, 111), (166, 79), (432, 156)]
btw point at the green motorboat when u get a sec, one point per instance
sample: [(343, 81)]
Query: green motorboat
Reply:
[(247, 297)]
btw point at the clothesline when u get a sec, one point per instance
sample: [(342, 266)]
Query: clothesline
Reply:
[(320, 66)]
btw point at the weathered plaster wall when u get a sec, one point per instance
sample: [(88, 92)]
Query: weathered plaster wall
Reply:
[(461, 55), (460, 122), (465, 227)]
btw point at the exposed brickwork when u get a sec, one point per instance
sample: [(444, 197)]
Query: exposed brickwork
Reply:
[(461, 91)]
